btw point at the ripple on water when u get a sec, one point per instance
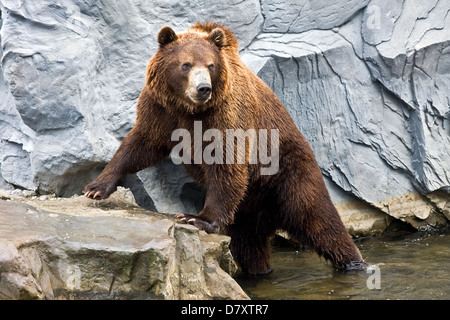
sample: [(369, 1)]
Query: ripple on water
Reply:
[(410, 266)]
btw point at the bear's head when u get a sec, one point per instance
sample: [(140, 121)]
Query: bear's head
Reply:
[(190, 67)]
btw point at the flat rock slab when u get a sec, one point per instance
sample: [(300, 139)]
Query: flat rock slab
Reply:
[(96, 252)]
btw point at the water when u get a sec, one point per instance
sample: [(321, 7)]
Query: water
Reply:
[(405, 266)]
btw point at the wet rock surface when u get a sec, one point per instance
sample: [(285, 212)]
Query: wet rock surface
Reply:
[(53, 248)]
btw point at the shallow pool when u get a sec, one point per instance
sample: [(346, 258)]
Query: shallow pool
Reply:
[(402, 265)]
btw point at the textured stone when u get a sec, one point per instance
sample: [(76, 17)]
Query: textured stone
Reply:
[(74, 248), (409, 55), (294, 16)]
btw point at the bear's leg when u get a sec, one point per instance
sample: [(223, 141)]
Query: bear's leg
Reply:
[(311, 218), (225, 186), (250, 234), (135, 153)]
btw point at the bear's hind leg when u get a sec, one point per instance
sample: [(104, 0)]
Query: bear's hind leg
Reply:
[(250, 246), (311, 218)]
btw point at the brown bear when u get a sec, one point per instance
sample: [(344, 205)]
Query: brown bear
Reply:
[(197, 77)]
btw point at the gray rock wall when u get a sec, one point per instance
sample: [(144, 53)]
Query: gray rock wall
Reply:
[(367, 82)]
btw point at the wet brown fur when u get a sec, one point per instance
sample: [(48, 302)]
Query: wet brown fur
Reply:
[(250, 207)]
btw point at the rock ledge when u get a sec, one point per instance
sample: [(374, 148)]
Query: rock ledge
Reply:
[(76, 248)]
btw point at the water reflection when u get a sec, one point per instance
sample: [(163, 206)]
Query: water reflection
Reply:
[(406, 266)]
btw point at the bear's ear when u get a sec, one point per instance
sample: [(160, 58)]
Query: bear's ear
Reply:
[(218, 37), (166, 35)]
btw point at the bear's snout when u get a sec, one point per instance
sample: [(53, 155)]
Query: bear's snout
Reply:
[(204, 90), (200, 87)]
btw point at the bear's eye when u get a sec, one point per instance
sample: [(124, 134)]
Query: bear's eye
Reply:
[(186, 66), (211, 67)]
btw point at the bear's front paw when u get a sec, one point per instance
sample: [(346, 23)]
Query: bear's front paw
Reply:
[(210, 227), (99, 190)]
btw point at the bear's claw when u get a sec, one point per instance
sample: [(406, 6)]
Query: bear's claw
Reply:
[(98, 191), (209, 227), (93, 195)]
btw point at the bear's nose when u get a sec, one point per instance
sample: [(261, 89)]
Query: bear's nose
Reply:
[(204, 90)]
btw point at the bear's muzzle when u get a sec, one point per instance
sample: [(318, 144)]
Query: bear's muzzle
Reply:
[(200, 88)]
